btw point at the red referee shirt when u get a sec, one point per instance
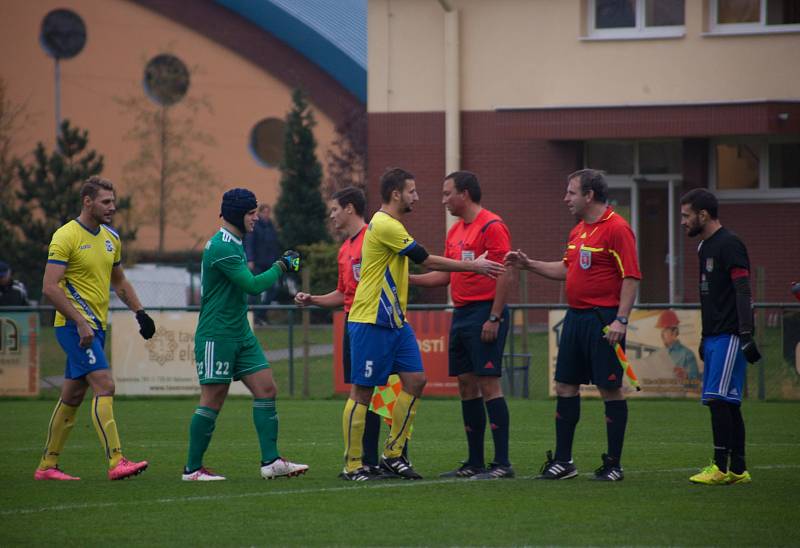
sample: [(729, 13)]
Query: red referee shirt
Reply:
[(349, 261), (465, 242), (598, 257)]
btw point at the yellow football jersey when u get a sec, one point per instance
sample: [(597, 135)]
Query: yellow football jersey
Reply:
[(89, 258), (382, 292)]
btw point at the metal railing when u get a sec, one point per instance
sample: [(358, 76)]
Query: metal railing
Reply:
[(512, 356)]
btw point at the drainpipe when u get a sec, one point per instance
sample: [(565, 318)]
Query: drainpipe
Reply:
[(452, 96)]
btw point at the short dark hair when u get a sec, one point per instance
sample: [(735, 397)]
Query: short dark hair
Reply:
[(393, 179), (93, 185), (591, 179), (351, 195), (700, 199), (466, 180)]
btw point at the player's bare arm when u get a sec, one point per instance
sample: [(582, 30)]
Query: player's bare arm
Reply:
[(53, 274), (334, 299), (554, 270), (627, 296), (430, 279), (126, 293), (481, 265), (124, 289)]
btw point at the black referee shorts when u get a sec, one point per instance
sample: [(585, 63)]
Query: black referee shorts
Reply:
[(467, 353), (584, 356)]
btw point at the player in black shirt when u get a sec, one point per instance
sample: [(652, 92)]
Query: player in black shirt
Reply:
[(727, 342)]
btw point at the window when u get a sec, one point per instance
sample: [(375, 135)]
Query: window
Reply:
[(754, 16), (738, 165), (166, 79), (631, 19), (613, 157), (663, 157), (746, 167), (784, 165), (660, 157), (266, 141)]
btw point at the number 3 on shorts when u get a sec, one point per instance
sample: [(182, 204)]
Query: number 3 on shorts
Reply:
[(92, 358), (368, 369)]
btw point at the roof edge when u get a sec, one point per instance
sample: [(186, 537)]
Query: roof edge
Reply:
[(301, 37)]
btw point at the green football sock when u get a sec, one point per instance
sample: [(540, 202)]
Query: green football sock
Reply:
[(203, 422), (265, 417)]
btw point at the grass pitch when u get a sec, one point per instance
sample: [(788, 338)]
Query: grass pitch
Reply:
[(655, 505)]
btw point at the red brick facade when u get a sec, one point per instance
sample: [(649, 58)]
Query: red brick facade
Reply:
[(522, 158)]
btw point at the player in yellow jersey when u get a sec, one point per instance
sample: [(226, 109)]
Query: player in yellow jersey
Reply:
[(83, 261), (381, 341)]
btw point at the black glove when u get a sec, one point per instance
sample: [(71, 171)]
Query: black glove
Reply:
[(147, 327), (702, 349), (749, 348), (289, 261)]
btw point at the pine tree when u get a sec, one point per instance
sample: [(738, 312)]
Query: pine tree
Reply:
[(47, 196), (300, 210)]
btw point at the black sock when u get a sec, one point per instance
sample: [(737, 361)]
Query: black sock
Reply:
[(722, 428), (568, 413), (474, 425), (499, 422), (616, 421), (738, 465), (372, 433)]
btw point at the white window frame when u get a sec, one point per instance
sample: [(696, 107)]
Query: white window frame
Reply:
[(638, 32), (746, 28), (764, 193)]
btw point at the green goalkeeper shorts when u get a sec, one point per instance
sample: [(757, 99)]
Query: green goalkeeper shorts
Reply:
[(221, 361)]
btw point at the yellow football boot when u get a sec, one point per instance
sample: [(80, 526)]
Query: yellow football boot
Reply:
[(744, 477), (710, 475)]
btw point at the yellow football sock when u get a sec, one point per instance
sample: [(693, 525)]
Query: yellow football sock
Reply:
[(405, 409), (353, 421), (106, 426), (61, 423)]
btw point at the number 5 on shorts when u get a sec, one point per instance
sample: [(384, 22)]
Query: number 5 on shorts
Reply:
[(368, 369)]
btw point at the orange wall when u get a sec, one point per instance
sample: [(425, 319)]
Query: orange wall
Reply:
[(121, 37)]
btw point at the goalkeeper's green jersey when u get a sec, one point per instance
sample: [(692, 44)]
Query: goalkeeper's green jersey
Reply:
[(225, 282)]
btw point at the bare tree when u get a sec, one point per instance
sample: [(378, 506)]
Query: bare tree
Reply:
[(169, 173), (346, 160)]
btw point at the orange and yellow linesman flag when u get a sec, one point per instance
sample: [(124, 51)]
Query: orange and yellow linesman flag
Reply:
[(383, 398), (623, 359)]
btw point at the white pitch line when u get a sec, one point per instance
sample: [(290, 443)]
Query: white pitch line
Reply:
[(385, 484)]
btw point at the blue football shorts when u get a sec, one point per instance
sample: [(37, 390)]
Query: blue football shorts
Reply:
[(725, 369), (81, 361), (376, 352)]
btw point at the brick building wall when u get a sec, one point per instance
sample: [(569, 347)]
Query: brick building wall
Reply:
[(522, 173)]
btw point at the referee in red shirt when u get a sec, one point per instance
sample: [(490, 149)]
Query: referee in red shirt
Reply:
[(480, 324), (602, 275)]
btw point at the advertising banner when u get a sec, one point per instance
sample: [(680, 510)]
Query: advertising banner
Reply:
[(19, 355), (162, 365), (432, 329), (661, 346)]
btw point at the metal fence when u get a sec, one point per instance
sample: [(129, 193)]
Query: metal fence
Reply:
[(525, 360)]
